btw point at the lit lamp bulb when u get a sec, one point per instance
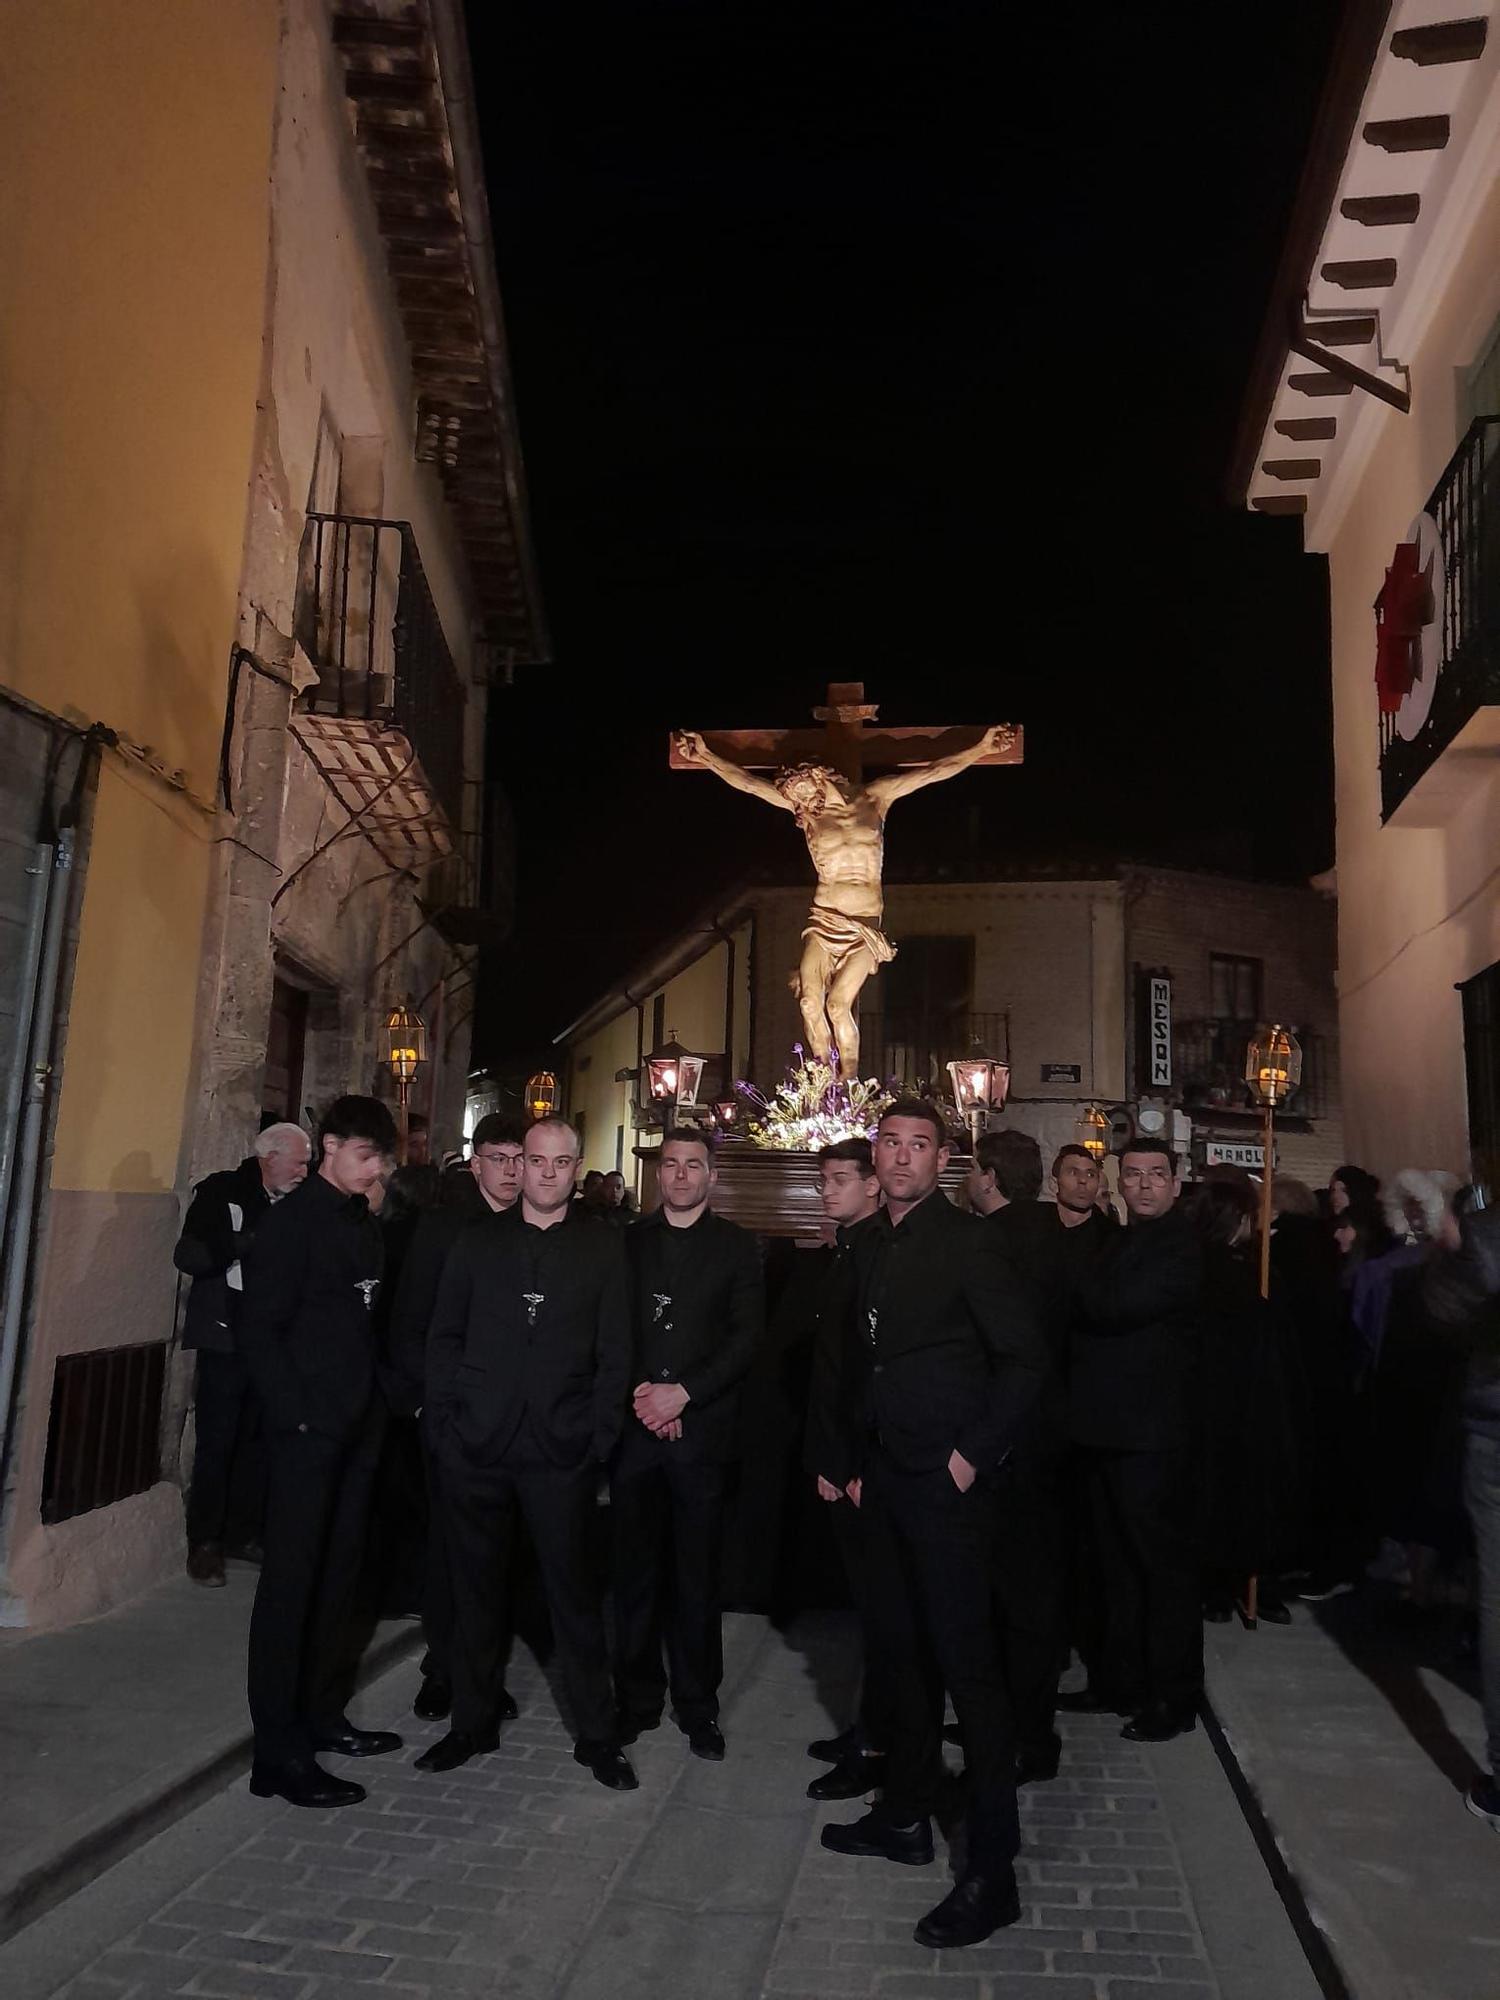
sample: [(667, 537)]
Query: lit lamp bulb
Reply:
[(541, 1094)]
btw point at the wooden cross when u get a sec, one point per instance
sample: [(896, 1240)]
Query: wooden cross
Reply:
[(846, 743)]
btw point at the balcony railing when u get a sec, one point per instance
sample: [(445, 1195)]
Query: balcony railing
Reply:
[(916, 1050), (1208, 1065), (1465, 508), (366, 619)]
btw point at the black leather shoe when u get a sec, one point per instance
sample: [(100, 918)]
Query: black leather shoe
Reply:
[(352, 1742), (1036, 1763), (707, 1741), (434, 1702), (1096, 1701), (834, 1749), (1159, 1722), (849, 1780), (205, 1564), (456, 1748), (608, 1765), (911, 1845), (304, 1783), (508, 1709), (630, 1728), (982, 1902)]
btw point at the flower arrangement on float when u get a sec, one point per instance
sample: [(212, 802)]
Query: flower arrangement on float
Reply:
[(813, 1108)]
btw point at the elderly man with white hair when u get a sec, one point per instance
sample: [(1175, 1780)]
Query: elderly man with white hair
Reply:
[(227, 1494)]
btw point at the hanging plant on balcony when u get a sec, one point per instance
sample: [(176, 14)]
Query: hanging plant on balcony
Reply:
[(813, 1108)]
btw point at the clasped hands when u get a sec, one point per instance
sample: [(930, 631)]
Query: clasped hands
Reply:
[(960, 1472), (660, 1405)]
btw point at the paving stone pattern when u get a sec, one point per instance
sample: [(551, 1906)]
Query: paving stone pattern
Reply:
[(519, 1877)]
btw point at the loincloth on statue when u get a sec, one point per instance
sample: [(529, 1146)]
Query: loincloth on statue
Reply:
[(844, 935)]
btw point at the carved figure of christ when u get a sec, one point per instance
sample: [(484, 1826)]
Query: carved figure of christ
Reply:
[(841, 815)]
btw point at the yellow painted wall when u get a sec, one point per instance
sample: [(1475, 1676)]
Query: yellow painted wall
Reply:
[(593, 1094), (1419, 908), (695, 1002), (133, 236)]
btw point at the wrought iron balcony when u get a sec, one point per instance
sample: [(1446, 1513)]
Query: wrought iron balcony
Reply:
[(1461, 674), (915, 1050), (387, 714), (1208, 1062)]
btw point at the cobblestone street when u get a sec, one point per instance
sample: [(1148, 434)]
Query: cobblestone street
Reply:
[(519, 1876)]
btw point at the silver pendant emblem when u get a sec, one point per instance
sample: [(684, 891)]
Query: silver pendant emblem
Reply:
[(533, 1300), (369, 1286), (663, 1300), (872, 1318)]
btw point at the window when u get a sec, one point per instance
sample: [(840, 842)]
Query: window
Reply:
[(286, 1054), (930, 981), (1234, 987)]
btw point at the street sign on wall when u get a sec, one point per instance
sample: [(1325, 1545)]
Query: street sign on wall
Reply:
[(1234, 1153), (1159, 1031)]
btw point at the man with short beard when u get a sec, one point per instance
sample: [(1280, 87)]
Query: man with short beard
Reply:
[(528, 1366), (951, 1362), (699, 1310), (491, 1187)]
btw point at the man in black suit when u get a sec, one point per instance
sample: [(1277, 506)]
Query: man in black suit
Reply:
[(699, 1310), (850, 1197), (1132, 1403), (307, 1334), (951, 1362), (227, 1494), (528, 1363), (491, 1185)]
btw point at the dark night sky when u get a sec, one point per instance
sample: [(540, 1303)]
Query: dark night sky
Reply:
[(901, 343)]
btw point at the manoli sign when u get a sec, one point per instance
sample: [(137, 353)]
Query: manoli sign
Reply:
[(1159, 1031)]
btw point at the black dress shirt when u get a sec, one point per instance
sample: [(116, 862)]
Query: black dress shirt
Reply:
[(307, 1328), (699, 1313), (953, 1356), (1133, 1371), (530, 1340)]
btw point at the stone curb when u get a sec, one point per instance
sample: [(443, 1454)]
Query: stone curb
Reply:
[(49, 1871)]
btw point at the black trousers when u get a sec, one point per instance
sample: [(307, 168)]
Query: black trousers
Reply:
[(877, 1697), (1148, 1553), (483, 1506), (1030, 1595), (227, 1494), (669, 1538), (317, 1507), (438, 1615), (931, 1550)]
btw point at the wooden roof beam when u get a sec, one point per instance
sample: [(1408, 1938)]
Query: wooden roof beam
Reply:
[(1279, 503), (1292, 468), (1322, 384), (1361, 274), (1358, 332), (1408, 135), (1381, 211), (1442, 42)]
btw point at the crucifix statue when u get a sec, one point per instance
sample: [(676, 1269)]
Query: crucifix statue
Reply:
[(819, 777)]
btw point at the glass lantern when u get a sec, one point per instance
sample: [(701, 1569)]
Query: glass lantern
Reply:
[(980, 1083), (1273, 1067), (405, 1044), (541, 1094), (1093, 1130)]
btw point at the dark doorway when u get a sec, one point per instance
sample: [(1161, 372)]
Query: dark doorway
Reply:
[(286, 1049)]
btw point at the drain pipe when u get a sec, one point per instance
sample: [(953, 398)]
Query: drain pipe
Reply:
[(40, 871), (29, 1151)]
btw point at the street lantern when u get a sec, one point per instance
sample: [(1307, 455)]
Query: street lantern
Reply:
[(1273, 1066), (980, 1085), (674, 1076), (404, 1050), (541, 1094), (726, 1115), (1093, 1130), (1273, 1070)]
